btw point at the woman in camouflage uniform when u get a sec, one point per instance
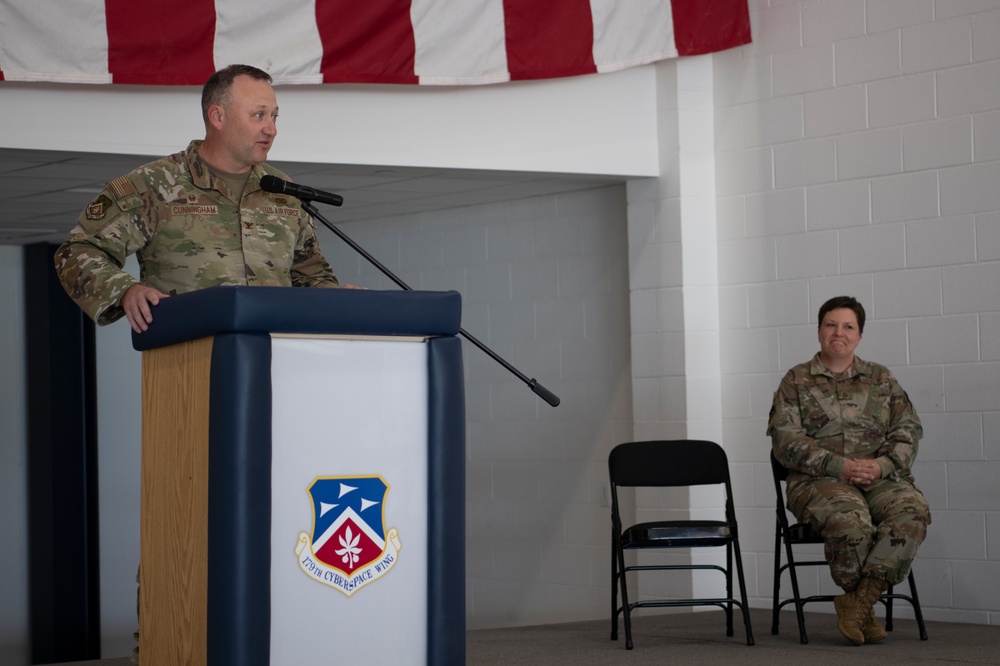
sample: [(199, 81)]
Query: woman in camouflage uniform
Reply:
[(848, 435)]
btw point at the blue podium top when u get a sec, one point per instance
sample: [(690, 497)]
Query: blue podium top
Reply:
[(317, 311)]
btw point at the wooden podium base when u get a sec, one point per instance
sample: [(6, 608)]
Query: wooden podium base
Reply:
[(173, 591)]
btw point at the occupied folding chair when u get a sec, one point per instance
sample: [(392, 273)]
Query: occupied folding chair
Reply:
[(798, 534), (677, 464)]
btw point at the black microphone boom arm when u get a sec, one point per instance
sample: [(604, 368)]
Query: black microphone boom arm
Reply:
[(542, 392)]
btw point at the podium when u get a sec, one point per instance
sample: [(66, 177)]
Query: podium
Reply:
[(303, 478)]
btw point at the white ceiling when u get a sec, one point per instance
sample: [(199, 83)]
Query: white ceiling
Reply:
[(43, 192)]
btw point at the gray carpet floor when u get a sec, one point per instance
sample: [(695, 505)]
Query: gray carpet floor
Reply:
[(700, 638)]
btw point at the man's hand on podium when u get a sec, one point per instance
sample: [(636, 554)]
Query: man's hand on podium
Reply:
[(136, 302)]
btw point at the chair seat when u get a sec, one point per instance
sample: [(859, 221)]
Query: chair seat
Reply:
[(677, 534), (802, 533)]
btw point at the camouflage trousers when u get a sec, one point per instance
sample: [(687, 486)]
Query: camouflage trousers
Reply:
[(867, 531)]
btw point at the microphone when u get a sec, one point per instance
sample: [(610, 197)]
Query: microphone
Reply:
[(274, 184)]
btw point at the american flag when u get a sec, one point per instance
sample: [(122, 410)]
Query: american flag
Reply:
[(427, 42)]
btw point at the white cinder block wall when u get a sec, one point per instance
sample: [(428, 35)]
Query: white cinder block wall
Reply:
[(858, 152), (544, 284)]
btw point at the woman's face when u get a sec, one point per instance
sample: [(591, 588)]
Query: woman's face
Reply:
[(839, 334)]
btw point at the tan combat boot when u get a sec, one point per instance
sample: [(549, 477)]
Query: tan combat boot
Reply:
[(854, 609), (873, 630), (850, 617)]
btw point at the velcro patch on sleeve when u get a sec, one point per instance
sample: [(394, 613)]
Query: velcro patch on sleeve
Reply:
[(99, 207)]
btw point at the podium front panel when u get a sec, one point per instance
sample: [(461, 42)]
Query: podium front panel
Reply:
[(349, 495)]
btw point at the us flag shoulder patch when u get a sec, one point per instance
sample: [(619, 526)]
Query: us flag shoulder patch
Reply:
[(121, 187)]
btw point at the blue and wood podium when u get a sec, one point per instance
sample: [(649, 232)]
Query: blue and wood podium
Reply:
[(303, 478)]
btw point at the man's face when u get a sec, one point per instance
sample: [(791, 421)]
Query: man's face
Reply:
[(839, 333), (248, 127)]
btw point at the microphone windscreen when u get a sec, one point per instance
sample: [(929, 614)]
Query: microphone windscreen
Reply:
[(271, 183)]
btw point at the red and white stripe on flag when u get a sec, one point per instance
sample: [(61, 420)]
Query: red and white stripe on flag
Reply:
[(435, 42)]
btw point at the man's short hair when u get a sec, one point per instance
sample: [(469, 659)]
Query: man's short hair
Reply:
[(218, 86), (848, 302)]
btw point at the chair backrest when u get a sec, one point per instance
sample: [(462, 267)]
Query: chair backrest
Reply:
[(685, 462), (779, 471)]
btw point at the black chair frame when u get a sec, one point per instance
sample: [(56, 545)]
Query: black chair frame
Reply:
[(678, 463), (799, 533)]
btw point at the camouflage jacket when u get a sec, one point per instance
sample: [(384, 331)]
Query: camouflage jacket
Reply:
[(818, 419), (188, 232)]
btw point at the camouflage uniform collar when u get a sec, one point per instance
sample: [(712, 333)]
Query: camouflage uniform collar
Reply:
[(202, 176), (858, 366)]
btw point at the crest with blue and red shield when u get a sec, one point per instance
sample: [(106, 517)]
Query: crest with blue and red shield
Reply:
[(348, 530), (349, 546)]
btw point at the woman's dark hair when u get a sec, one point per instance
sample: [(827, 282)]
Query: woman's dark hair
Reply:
[(216, 89), (848, 302)]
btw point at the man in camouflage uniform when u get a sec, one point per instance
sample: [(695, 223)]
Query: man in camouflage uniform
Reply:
[(197, 218), (848, 435)]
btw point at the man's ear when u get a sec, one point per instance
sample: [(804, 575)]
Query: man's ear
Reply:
[(216, 114)]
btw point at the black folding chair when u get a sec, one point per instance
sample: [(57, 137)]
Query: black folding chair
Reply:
[(800, 533), (665, 464)]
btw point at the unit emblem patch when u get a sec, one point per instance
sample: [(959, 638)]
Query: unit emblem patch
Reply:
[(98, 208), (349, 546)]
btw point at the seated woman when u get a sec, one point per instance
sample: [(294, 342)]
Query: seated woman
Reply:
[(848, 435)]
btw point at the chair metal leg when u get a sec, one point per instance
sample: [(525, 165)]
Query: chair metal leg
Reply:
[(799, 610), (743, 593), (625, 607), (729, 589), (890, 595), (777, 579), (614, 587), (888, 608), (918, 614)]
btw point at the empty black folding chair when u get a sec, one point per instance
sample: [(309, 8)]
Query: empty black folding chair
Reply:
[(664, 464)]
